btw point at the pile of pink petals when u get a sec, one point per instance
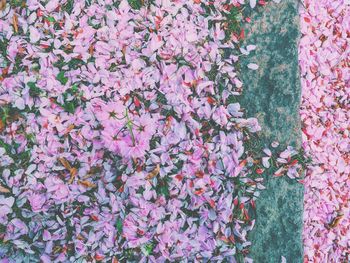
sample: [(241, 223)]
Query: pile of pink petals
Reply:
[(325, 69), (119, 136)]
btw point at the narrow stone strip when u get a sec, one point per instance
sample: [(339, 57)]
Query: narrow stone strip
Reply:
[(272, 94)]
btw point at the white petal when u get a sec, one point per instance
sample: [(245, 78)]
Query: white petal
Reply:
[(51, 5), (2, 151), (268, 152), (30, 168), (252, 3), (281, 160), (34, 34), (275, 144), (7, 201), (191, 36), (244, 51), (251, 48), (253, 66), (19, 103), (265, 162)]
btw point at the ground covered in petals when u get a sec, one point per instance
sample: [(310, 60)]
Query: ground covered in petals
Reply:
[(325, 111), (121, 138)]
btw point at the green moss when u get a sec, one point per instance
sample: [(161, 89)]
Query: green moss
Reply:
[(136, 4)]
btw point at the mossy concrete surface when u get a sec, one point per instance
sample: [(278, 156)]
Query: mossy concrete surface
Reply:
[(272, 94)]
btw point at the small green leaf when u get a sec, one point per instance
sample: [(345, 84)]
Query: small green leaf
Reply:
[(74, 88), (34, 91), (164, 190), (119, 225), (61, 78), (135, 4), (51, 19), (70, 106), (17, 3), (147, 249)]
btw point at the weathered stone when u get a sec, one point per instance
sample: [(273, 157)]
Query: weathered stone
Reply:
[(272, 94)]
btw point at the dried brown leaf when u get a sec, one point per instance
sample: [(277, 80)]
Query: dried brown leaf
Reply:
[(15, 22), (69, 128), (2, 4), (91, 49), (154, 173), (86, 184), (65, 163), (335, 221), (2, 125), (73, 172), (4, 190)]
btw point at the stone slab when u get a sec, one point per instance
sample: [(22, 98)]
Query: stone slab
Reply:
[(272, 94)]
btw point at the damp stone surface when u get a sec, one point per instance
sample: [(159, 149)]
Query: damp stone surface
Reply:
[(272, 94)]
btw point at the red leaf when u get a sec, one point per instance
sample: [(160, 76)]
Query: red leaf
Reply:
[(252, 203), (137, 102), (179, 177), (294, 162), (99, 257), (242, 34), (211, 100), (259, 171)]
